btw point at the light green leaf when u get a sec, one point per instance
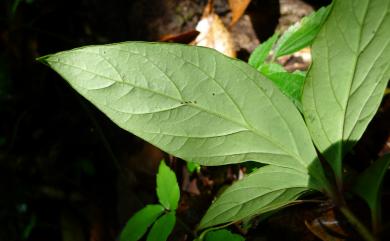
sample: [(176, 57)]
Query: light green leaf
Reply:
[(264, 190), (192, 167), (191, 102), (291, 84), (260, 54), (162, 227), (168, 191), (350, 71), (138, 224), (301, 34), (369, 183), (223, 235)]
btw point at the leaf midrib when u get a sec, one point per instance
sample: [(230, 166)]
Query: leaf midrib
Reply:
[(188, 104)]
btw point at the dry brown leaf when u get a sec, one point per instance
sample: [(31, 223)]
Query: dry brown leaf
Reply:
[(213, 33), (184, 38), (327, 227), (238, 8)]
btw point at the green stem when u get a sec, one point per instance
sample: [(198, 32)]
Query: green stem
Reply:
[(359, 227)]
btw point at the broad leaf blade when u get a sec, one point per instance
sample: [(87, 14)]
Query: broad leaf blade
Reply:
[(260, 54), (192, 102), (369, 183), (291, 84), (138, 224), (162, 227), (301, 34), (168, 191), (350, 70), (223, 235), (264, 190)]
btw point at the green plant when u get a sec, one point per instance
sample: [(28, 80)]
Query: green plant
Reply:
[(209, 109), (162, 216)]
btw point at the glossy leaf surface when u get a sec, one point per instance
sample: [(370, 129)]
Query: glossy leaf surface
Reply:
[(162, 227), (350, 70), (264, 190), (168, 191), (138, 224)]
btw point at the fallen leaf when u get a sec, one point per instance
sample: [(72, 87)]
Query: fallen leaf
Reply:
[(213, 33), (238, 8), (326, 227), (183, 38)]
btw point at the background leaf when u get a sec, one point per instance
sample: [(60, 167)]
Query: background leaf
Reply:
[(138, 224), (162, 227), (192, 102), (264, 190), (291, 84), (168, 191), (350, 70), (223, 235), (260, 54), (368, 185), (301, 34)]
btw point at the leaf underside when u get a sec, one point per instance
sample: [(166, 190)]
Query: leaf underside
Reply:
[(350, 70), (268, 188), (192, 102)]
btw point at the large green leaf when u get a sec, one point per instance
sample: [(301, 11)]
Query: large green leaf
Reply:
[(192, 102), (301, 34), (138, 224), (368, 185), (168, 191), (350, 70), (264, 190), (162, 227)]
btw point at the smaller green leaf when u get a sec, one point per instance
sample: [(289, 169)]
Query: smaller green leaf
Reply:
[(223, 235), (192, 167), (368, 184), (138, 224), (291, 84), (162, 227), (168, 191), (266, 189), (260, 54), (301, 34)]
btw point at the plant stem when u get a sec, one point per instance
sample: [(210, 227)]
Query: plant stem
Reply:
[(354, 221)]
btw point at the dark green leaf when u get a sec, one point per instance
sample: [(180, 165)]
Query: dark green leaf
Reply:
[(138, 224), (168, 191), (223, 235), (260, 54), (301, 34), (369, 183), (350, 71), (162, 227), (266, 189)]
